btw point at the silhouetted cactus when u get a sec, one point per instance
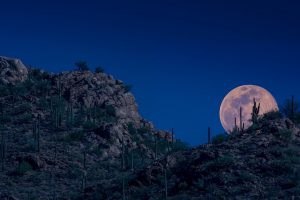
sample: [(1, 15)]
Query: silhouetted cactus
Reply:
[(235, 129), (123, 186), (84, 174), (36, 135), (167, 143), (82, 66), (2, 150), (123, 154), (123, 169), (208, 136), (132, 164), (293, 109), (83, 184), (241, 119), (55, 155), (84, 159), (255, 112), (172, 135), (60, 101), (166, 183), (155, 140)]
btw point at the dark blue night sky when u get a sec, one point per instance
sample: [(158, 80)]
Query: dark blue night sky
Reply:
[(182, 57)]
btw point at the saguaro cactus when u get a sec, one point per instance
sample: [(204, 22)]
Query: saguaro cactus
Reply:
[(241, 119), (166, 182), (123, 186), (84, 174), (123, 169), (132, 164), (172, 135), (255, 112), (208, 135), (36, 134), (123, 154), (155, 138), (2, 151), (293, 108)]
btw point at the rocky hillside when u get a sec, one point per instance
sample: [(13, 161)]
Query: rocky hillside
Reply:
[(78, 135), (64, 135), (263, 162)]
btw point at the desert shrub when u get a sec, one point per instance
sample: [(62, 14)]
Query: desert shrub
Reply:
[(271, 116), (35, 73), (131, 129), (75, 136), (144, 130), (218, 163), (219, 138), (281, 167), (199, 184), (179, 145), (106, 113), (183, 185), (180, 197), (99, 69), (42, 87), (4, 91), (18, 90), (24, 118), (43, 103), (127, 88), (287, 110), (284, 135), (245, 176), (23, 108), (110, 110), (215, 192), (74, 171), (82, 66), (22, 168), (28, 84), (89, 125)]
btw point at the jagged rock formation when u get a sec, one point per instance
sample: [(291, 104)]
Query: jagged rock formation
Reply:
[(78, 135), (12, 70), (63, 134)]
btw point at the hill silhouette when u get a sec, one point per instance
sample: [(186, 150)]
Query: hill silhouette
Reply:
[(79, 135)]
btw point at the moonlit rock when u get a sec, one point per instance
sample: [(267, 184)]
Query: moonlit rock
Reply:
[(12, 70)]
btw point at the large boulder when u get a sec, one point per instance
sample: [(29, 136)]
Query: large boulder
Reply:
[(12, 70)]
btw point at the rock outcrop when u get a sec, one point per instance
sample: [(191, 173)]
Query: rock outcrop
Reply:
[(12, 70), (64, 129)]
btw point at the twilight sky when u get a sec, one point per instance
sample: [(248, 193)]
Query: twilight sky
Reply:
[(182, 57)]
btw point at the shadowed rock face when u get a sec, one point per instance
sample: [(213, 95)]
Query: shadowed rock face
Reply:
[(53, 122), (94, 89), (12, 70)]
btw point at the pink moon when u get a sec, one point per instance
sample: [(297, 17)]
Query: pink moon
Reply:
[(243, 96)]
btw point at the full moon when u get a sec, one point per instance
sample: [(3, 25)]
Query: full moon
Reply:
[(242, 97)]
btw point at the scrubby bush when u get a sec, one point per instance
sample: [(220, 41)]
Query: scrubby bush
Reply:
[(179, 145), (218, 163), (271, 115), (82, 66), (106, 113), (219, 138), (285, 135), (127, 88), (75, 136), (99, 69), (22, 168), (131, 129), (4, 91), (89, 125)]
